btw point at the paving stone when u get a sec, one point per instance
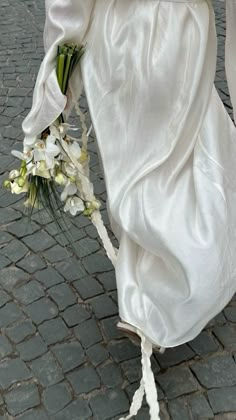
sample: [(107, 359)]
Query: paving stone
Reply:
[(81, 221), (110, 375), (32, 348), (174, 356), (88, 333), (142, 415), (12, 371), (41, 310), (5, 237), (108, 280), (69, 355), (49, 277), (8, 215), (12, 277), (39, 241), (177, 381), (56, 253), (75, 315), (123, 350), (56, 397), (42, 217), (34, 414), (4, 298), (203, 344), (109, 326), (5, 347), (29, 292), (217, 372), (18, 92), (24, 228), (62, 295), (199, 406), (12, 111), (230, 313), (88, 287), (19, 332), (87, 246), (52, 229), (114, 297), (103, 306), (9, 201), (97, 263), (15, 250), (70, 269), (77, 410), (179, 410), (4, 262), (53, 331), (222, 399), (75, 234), (47, 371), (218, 320), (32, 263), (22, 398), (109, 404), (84, 380), (97, 354), (71, 236), (226, 334), (9, 314), (91, 231), (132, 369)]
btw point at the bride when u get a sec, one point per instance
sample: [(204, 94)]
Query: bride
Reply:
[(168, 151)]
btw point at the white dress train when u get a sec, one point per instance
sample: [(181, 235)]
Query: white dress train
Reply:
[(168, 150)]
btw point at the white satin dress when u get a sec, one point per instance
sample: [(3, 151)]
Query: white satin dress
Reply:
[(168, 150)]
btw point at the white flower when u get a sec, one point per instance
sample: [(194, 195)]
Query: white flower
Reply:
[(40, 169), (70, 189), (29, 140), (26, 155), (74, 205), (75, 150), (60, 131), (70, 169), (16, 189), (14, 174), (60, 179), (46, 150)]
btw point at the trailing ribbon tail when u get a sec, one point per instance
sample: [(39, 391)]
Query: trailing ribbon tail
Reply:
[(147, 383)]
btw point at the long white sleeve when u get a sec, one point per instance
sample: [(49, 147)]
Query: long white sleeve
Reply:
[(66, 21), (230, 52)]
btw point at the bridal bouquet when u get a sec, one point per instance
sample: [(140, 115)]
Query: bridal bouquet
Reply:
[(54, 171)]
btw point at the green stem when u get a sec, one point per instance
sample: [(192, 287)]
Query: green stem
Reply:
[(60, 69), (66, 73)]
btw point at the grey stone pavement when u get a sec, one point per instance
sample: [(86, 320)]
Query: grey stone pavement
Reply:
[(61, 356)]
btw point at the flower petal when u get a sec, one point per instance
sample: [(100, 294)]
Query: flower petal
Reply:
[(18, 154), (75, 150)]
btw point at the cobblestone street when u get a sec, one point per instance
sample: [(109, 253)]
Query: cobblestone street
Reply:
[(61, 356)]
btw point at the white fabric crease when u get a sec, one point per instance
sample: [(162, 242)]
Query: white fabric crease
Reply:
[(168, 150)]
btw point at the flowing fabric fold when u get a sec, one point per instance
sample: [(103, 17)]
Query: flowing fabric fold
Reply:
[(230, 51), (66, 21)]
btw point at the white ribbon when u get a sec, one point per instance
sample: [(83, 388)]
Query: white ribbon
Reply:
[(147, 383)]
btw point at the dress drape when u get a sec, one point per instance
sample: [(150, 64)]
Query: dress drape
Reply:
[(168, 150)]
